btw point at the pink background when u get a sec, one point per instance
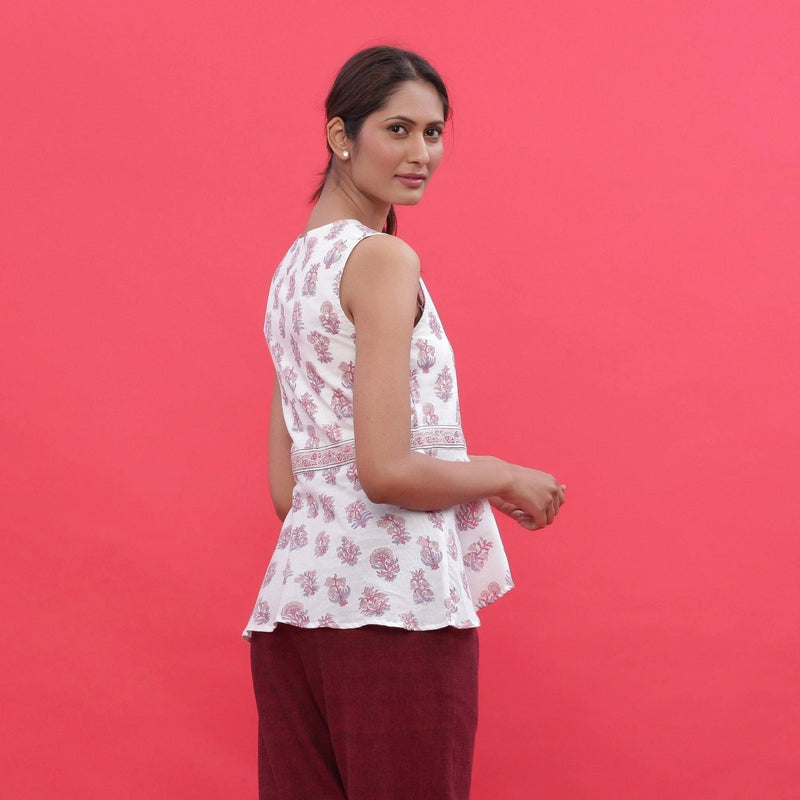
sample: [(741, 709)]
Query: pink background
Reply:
[(612, 242)]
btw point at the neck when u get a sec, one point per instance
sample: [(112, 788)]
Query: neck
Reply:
[(341, 200)]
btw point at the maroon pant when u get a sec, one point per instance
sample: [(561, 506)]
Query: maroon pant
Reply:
[(372, 713)]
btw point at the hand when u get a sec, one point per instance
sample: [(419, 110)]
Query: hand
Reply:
[(533, 500)]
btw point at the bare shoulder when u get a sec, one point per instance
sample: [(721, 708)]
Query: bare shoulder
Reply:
[(385, 250), (381, 269)]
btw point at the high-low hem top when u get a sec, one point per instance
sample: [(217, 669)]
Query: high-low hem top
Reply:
[(342, 561)]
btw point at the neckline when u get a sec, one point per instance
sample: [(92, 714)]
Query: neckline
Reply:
[(335, 222)]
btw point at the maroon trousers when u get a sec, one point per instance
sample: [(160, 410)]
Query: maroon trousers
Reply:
[(372, 713)]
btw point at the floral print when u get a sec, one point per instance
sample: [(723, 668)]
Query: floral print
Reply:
[(342, 561)]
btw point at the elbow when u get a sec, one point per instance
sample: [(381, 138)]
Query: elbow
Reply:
[(383, 484)]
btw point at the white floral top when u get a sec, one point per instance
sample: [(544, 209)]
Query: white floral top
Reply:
[(342, 561)]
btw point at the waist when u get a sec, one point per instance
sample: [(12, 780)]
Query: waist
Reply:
[(339, 453)]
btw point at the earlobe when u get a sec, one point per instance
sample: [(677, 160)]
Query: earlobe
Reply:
[(337, 138)]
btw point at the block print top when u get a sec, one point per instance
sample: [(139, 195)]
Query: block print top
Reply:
[(342, 561)]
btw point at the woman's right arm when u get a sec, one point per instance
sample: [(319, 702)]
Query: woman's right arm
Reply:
[(378, 292)]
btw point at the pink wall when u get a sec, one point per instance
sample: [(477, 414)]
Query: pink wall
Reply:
[(612, 240)]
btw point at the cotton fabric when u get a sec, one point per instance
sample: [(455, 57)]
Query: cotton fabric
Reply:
[(342, 561)]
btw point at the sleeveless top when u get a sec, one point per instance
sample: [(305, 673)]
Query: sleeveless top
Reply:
[(342, 561)]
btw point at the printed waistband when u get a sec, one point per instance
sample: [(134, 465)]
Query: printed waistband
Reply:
[(334, 455)]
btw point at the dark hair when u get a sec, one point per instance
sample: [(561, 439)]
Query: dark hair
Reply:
[(364, 84)]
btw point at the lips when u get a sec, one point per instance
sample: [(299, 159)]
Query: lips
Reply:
[(411, 179)]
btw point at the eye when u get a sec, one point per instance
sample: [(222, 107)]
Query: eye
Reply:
[(434, 133), (396, 127)]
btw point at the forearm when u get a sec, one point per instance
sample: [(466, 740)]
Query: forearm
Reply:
[(417, 481)]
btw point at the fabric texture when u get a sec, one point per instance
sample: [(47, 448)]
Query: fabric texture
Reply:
[(372, 713), (341, 560)]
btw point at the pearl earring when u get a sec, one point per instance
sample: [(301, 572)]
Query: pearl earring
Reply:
[(345, 154)]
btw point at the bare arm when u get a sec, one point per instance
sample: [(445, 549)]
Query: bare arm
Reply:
[(281, 479), (378, 292)]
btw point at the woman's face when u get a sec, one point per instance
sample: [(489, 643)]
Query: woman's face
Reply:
[(399, 146)]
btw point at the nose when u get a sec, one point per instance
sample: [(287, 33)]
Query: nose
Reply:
[(418, 150)]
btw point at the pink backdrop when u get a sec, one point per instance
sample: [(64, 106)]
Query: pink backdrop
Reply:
[(612, 241)]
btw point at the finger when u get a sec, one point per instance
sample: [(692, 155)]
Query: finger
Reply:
[(528, 522), (550, 514), (562, 492)]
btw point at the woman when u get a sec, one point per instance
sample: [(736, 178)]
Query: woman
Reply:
[(364, 634)]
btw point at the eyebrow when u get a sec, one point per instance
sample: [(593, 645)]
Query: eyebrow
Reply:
[(413, 122)]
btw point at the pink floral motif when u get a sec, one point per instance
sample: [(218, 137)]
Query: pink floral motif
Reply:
[(298, 537), (410, 621), (330, 475), (308, 582), (285, 534), (287, 572), (348, 551), (290, 376), (327, 621), (451, 603), (277, 349), (313, 440), (270, 574), (413, 386), (334, 254), (328, 509), (295, 351), (352, 476), (276, 294), (469, 515), (329, 318), (295, 613), (311, 243), (321, 346), (308, 404), (341, 404), (348, 373), (436, 328), (291, 288), (373, 602), (261, 613), (443, 388), (421, 591), (312, 506), (338, 590), (310, 282), (465, 581), (452, 548), (477, 554), (429, 552), (427, 355), (317, 383), (321, 544), (282, 322), (437, 519), (358, 514), (489, 594), (384, 562), (297, 424), (336, 283), (333, 432), (297, 501), (336, 229), (396, 527), (429, 416), (297, 318)]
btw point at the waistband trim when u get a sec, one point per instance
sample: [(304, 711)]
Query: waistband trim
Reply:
[(334, 455)]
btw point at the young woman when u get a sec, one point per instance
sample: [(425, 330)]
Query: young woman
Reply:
[(364, 634)]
